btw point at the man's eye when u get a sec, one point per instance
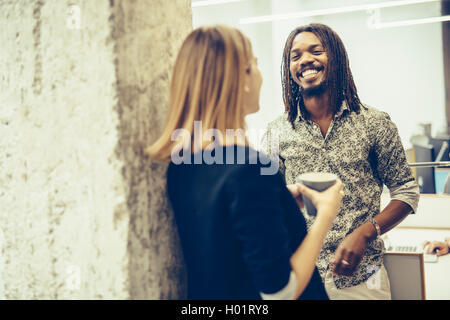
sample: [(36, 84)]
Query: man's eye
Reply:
[(294, 57), (317, 52)]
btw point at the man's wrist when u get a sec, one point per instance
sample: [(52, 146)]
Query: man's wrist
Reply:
[(368, 231), (377, 226)]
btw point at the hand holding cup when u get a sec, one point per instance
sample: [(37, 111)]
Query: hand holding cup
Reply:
[(317, 191)]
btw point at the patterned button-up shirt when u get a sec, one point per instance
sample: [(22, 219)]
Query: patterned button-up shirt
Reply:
[(365, 151)]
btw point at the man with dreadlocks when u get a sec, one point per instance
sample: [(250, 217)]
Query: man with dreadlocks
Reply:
[(325, 128)]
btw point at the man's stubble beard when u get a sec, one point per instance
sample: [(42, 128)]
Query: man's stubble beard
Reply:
[(313, 91)]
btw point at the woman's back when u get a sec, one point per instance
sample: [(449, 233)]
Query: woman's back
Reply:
[(238, 228)]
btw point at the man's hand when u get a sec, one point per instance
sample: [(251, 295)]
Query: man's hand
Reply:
[(349, 254), (295, 191)]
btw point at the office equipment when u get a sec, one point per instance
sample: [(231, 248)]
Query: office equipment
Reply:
[(425, 175), (406, 274), (412, 248), (446, 189), (407, 246), (440, 177), (441, 174), (441, 149)]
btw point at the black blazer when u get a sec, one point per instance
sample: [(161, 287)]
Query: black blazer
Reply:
[(238, 228)]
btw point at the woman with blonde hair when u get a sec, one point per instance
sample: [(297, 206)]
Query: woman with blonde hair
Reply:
[(242, 233)]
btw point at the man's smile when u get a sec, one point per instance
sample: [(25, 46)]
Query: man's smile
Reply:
[(309, 73)]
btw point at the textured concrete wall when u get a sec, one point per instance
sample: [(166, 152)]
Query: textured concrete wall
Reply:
[(82, 212), (148, 35)]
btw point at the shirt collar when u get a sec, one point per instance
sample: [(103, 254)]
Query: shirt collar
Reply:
[(340, 112), (344, 108)]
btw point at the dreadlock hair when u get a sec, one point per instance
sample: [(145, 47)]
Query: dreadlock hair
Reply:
[(338, 77)]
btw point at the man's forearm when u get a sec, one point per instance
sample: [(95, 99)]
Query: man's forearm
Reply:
[(394, 213)]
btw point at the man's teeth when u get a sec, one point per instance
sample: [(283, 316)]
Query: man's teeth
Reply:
[(308, 72)]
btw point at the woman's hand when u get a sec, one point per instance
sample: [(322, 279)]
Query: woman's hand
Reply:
[(295, 191), (326, 202), (328, 199)]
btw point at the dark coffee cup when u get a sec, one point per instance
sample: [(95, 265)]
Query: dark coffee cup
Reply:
[(319, 181)]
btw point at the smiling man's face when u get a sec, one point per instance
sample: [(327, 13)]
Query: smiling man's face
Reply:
[(308, 61)]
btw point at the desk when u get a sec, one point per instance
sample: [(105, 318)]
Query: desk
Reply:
[(437, 279), (431, 222), (437, 274)]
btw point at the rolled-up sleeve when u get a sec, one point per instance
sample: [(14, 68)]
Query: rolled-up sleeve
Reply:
[(392, 166), (408, 193)]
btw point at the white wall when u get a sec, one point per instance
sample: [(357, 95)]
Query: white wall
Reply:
[(397, 70), (261, 38)]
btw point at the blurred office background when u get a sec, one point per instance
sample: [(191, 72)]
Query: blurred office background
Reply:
[(397, 69), (399, 53)]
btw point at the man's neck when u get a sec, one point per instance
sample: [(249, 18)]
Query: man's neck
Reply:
[(318, 107)]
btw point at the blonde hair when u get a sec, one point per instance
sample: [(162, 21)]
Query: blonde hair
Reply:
[(207, 85)]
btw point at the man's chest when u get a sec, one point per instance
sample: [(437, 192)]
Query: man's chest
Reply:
[(344, 149)]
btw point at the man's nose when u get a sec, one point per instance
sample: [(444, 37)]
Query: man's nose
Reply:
[(306, 59)]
